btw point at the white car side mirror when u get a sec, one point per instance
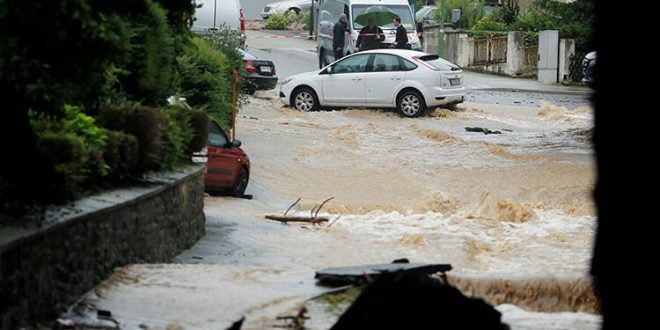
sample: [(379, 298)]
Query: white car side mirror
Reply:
[(329, 70)]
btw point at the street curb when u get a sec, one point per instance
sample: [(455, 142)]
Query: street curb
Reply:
[(538, 91)]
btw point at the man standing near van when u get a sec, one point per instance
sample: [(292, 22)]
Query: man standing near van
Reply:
[(339, 36), (370, 36), (401, 41)]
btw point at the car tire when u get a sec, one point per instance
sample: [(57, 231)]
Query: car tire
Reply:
[(295, 10), (242, 180), (304, 99), (250, 92), (410, 104)]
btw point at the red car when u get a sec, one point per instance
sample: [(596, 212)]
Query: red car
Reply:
[(228, 166)]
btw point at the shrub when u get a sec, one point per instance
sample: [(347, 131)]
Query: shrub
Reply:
[(199, 124), (531, 38), (93, 54), (508, 13), (203, 79), (64, 152), (228, 43), (277, 22), (151, 63), (72, 147), (573, 20), (293, 17), (121, 155), (471, 11), (487, 26), (60, 52), (177, 136), (488, 23), (146, 124)]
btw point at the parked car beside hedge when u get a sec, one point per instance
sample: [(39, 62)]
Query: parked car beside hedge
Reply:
[(259, 74), (228, 166)]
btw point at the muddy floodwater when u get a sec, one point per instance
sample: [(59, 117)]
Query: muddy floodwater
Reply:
[(511, 212)]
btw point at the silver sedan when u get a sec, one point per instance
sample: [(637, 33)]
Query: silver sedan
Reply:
[(280, 7)]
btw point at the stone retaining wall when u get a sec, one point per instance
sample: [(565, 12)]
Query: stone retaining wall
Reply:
[(44, 270)]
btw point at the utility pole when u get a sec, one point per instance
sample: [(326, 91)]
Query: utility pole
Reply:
[(311, 21), (441, 29)]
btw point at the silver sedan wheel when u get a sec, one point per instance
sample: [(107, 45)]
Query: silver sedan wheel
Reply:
[(410, 105), (304, 101)]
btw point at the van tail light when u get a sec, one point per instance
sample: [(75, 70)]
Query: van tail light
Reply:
[(242, 21), (249, 67)]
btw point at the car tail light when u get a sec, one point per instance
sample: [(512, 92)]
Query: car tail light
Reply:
[(249, 67), (242, 22), (273, 69)]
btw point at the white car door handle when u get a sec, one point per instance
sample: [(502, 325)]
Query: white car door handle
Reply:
[(395, 78), (357, 79)]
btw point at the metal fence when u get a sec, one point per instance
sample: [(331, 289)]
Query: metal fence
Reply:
[(575, 67)]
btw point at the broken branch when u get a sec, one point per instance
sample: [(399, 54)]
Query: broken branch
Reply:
[(284, 219), (333, 222), (292, 205), (320, 206)]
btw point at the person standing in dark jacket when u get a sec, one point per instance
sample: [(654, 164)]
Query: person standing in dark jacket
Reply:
[(370, 36), (339, 36), (401, 41), (420, 33)]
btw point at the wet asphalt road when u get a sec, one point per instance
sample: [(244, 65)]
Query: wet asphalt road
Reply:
[(570, 101)]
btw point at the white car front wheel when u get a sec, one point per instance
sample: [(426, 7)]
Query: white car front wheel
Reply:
[(304, 99)]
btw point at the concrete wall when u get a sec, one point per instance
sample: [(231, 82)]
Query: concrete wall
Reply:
[(566, 51), (43, 270), (459, 49), (431, 39), (456, 44), (514, 54)]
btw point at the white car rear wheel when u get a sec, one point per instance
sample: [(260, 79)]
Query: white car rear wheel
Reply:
[(411, 104)]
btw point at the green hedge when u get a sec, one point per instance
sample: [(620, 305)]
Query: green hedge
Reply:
[(199, 123), (146, 124), (68, 63), (150, 70), (121, 156), (72, 147), (204, 79), (277, 22)]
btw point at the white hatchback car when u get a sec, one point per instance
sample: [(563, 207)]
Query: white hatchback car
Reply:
[(407, 80)]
